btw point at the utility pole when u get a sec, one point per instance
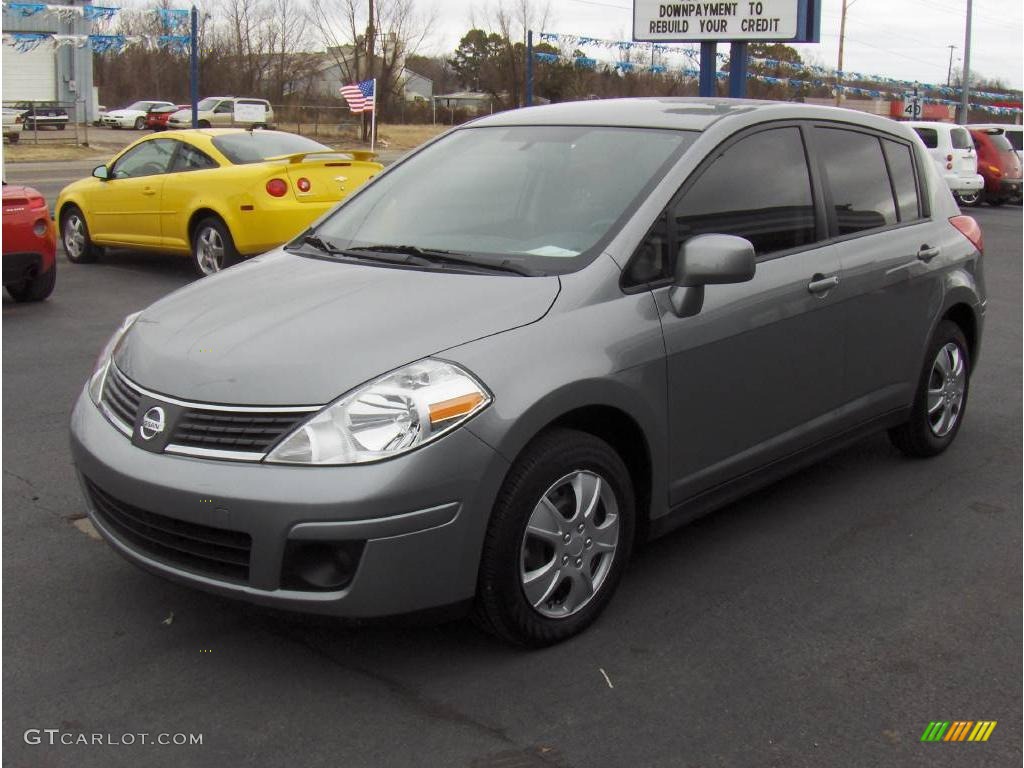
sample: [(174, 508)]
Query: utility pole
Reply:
[(966, 84), (371, 34), (193, 65), (949, 72), (839, 64)]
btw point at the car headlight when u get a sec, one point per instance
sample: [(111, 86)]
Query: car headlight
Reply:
[(99, 373), (386, 417)]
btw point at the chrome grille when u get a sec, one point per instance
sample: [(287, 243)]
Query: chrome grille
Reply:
[(120, 398), (201, 549), (255, 432)]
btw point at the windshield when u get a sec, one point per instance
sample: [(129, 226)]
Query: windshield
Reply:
[(256, 146), (139, 106), (542, 195), (207, 104)]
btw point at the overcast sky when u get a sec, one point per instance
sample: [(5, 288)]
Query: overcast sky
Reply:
[(903, 39)]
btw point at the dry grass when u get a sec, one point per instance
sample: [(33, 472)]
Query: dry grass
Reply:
[(347, 137), (31, 153)]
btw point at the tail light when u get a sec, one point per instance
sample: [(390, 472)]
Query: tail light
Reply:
[(36, 203), (303, 184), (949, 158), (949, 166), (969, 228), (277, 188), (995, 169)]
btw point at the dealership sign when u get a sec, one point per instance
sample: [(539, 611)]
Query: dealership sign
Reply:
[(685, 22)]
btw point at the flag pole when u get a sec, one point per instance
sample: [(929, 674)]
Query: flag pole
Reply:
[(373, 116)]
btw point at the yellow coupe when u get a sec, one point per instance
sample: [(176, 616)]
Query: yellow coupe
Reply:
[(214, 194)]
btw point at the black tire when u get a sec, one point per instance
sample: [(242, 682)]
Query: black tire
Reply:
[(61, 126), (36, 289), (968, 199), (501, 606), (14, 138), (260, 127), (994, 200), (203, 123), (212, 233), (917, 437), (140, 123), (86, 253)]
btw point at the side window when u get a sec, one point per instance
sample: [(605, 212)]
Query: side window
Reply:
[(224, 107), (147, 159), (929, 136), (759, 188), (904, 184), (961, 139), (191, 159), (858, 179), (651, 262)]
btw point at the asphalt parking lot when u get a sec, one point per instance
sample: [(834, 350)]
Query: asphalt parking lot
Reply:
[(824, 621)]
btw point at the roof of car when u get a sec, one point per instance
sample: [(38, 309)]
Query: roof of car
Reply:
[(694, 114)]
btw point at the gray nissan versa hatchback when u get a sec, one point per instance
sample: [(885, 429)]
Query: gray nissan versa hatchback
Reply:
[(535, 341)]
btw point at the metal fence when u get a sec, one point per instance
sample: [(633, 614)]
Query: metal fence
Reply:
[(45, 122)]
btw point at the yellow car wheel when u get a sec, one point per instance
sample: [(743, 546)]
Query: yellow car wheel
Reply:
[(212, 247)]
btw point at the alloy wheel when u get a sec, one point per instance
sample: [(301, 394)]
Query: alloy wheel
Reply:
[(569, 544), (74, 236), (946, 385), (210, 250)]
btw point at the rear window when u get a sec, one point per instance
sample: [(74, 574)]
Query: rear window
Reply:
[(961, 139), (1014, 138), (929, 136), (859, 180), (257, 146), (1000, 142)]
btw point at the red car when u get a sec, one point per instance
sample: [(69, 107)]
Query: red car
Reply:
[(998, 164), (157, 117), (30, 245)]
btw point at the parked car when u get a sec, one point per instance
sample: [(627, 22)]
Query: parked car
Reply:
[(101, 111), (952, 150), (43, 115), (29, 244), (134, 115), (157, 117), (1013, 133), (215, 194), (12, 124), (488, 373), (998, 164), (219, 111)]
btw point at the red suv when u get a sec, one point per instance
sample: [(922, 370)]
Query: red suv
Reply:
[(998, 164), (30, 245)]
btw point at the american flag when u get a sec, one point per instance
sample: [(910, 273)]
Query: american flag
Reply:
[(359, 96)]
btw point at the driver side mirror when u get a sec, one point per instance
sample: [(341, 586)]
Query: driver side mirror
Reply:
[(101, 172), (706, 260)]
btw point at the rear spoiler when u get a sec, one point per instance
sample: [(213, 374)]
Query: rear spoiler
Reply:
[(362, 155)]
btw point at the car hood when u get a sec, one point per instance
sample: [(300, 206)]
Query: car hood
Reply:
[(284, 329)]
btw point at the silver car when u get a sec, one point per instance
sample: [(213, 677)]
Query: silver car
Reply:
[(541, 338)]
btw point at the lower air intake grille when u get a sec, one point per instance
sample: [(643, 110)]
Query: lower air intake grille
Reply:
[(202, 549)]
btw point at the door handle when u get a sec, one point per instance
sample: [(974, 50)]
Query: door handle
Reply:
[(148, 191), (927, 254), (821, 284)]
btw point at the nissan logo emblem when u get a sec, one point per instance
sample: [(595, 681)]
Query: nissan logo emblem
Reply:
[(152, 423)]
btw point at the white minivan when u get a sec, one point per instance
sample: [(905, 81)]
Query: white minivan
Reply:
[(952, 150)]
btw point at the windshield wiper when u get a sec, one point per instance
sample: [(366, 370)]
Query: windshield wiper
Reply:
[(316, 242), (440, 256)]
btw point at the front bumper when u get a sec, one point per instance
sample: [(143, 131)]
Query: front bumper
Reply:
[(422, 516)]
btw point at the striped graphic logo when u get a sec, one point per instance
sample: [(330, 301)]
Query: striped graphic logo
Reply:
[(958, 730)]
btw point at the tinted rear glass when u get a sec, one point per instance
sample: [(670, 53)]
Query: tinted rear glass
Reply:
[(961, 139), (1000, 142), (929, 136), (904, 183), (257, 146), (1014, 137), (858, 178)]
